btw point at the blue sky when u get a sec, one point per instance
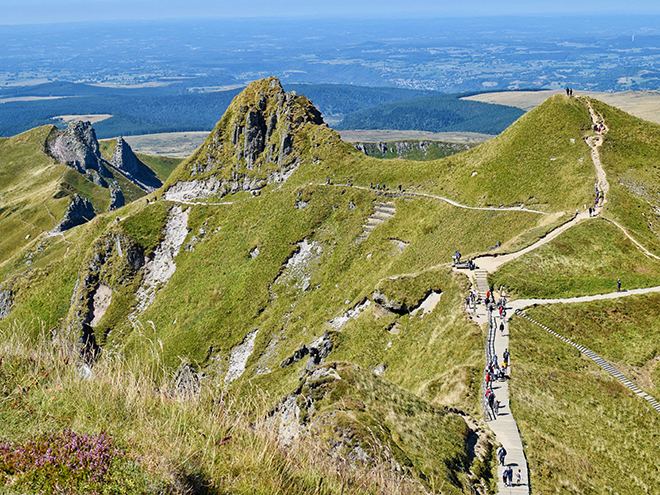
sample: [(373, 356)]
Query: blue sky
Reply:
[(43, 11)]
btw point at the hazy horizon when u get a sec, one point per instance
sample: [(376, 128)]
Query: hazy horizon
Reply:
[(18, 12)]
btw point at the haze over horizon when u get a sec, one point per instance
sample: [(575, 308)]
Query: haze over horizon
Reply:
[(57, 11)]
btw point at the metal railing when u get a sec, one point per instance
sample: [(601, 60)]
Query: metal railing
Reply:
[(489, 353)]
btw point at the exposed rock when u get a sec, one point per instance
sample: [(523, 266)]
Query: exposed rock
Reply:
[(80, 210), (112, 261), (239, 356), (185, 384), (78, 147), (297, 271), (403, 149), (253, 145), (100, 302), (380, 369), (254, 253), (292, 413), (6, 301), (317, 351), (339, 322), (428, 304), (124, 160), (117, 199), (161, 267), (392, 306)]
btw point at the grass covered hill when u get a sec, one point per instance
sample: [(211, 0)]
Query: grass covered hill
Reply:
[(628, 153), (436, 113), (276, 304)]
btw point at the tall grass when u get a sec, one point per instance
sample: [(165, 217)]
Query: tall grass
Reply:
[(210, 443)]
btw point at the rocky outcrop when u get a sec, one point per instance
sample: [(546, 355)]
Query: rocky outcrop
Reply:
[(255, 144), (6, 302), (117, 199), (80, 210), (418, 150), (78, 147), (393, 306), (113, 260), (317, 352), (124, 160), (161, 266)]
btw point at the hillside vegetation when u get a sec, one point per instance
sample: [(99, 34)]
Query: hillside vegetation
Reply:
[(278, 305)]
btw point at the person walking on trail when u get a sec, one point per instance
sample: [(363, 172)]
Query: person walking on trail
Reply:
[(518, 478), (502, 328), (505, 356), (507, 476), (618, 285), (501, 454)]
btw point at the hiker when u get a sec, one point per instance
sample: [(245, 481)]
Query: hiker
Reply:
[(491, 403), (371, 185), (518, 477), (505, 356), (494, 360), (502, 328), (618, 285), (509, 475), (501, 454), (399, 187), (489, 380), (327, 181)]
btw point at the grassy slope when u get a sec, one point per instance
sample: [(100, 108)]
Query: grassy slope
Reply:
[(583, 431), (629, 156), (207, 445), (515, 168), (623, 331), (28, 190), (587, 259), (219, 293)]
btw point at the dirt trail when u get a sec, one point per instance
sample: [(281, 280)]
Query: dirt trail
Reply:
[(404, 194), (594, 143)]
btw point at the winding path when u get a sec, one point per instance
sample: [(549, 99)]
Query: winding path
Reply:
[(504, 426), (404, 194)]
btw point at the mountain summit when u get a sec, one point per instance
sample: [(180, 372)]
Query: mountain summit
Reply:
[(260, 140)]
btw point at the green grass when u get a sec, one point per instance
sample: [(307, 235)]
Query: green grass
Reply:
[(163, 166), (628, 155), (586, 259), (622, 331), (212, 444), (373, 414), (583, 431)]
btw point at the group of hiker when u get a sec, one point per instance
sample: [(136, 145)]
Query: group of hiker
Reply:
[(495, 371), (598, 200), (507, 473), (569, 91)]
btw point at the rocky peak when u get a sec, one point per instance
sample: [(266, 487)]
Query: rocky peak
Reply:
[(124, 160), (80, 210), (257, 142), (78, 147)]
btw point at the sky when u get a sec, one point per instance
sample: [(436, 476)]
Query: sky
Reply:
[(52, 11)]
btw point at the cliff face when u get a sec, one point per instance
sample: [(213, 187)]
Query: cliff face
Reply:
[(258, 141), (80, 210), (125, 161), (78, 147)]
